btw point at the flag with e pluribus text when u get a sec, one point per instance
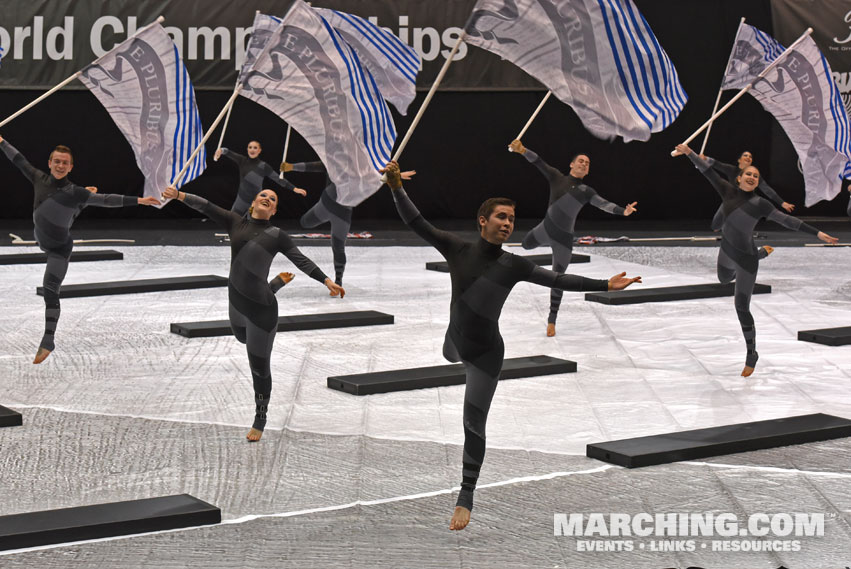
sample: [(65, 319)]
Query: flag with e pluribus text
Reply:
[(262, 29), (309, 76), (801, 94), (598, 56), (146, 89), (393, 64)]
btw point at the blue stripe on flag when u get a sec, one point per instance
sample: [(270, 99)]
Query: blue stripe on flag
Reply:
[(386, 43), (674, 97), (363, 101), (659, 102), (614, 47), (174, 159), (840, 116)]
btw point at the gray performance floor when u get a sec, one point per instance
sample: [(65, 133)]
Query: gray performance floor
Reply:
[(124, 409)]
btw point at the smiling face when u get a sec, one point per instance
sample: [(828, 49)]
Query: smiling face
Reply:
[(265, 204), (745, 160), (254, 149), (579, 166), (499, 226), (60, 164), (749, 179)]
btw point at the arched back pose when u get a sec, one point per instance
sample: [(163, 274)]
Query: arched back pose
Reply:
[(731, 172), (56, 204), (327, 210), (482, 277), (738, 257), (252, 308), (252, 172), (568, 195)]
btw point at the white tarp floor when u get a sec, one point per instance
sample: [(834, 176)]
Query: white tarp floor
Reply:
[(124, 409)]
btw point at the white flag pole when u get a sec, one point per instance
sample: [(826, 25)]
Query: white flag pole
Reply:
[(746, 88), (535, 114), (62, 84), (206, 136), (428, 97), (286, 147), (717, 100)]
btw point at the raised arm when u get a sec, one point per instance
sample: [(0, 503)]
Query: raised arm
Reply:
[(723, 188), (27, 169), (441, 240), (729, 170), (222, 216), (548, 171), (235, 156)]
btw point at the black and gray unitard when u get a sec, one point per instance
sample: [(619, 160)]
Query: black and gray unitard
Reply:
[(732, 172), (328, 210), (738, 257), (482, 277), (252, 307), (568, 195), (56, 204), (252, 172)]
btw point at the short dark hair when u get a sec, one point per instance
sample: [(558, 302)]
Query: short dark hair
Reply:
[(255, 140), (742, 153), (64, 150), (490, 204), (577, 155)]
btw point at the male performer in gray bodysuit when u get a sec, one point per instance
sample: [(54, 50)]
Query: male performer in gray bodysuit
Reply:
[(568, 195), (56, 204)]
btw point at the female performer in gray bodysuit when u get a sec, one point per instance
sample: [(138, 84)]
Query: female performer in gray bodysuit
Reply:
[(56, 204), (252, 308), (252, 172), (568, 195), (738, 257)]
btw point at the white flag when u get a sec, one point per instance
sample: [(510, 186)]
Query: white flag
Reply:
[(145, 88), (393, 64), (310, 77), (263, 28), (598, 56), (802, 96)]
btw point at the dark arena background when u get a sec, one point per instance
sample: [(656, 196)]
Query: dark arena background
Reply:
[(627, 439)]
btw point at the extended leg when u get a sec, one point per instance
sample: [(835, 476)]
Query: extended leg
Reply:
[(536, 237), (745, 281), (54, 274), (316, 215)]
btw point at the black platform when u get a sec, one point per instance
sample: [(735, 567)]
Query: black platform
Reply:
[(716, 441), (105, 520), (827, 336), (439, 376), (78, 256), (636, 295), (541, 260), (10, 418), (288, 323), (144, 285)]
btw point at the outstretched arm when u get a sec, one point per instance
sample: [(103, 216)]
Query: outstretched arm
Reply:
[(720, 185), (223, 217), (27, 169), (794, 223), (305, 265), (316, 166), (443, 241), (775, 198), (729, 170), (564, 281), (605, 205), (271, 174), (92, 198), (235, 156)]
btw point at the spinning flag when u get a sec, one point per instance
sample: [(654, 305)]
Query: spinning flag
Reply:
[(802, 96), (598, 56), (145, 88), (313, 79)]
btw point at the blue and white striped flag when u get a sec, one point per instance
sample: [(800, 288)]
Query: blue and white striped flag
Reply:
[(393, 64), (598, 56), (310, 77), (146, 89), (802, 95)]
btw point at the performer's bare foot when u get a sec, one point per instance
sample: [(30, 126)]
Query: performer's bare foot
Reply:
[(41, 355), (460, 518), (747, 371), (254, 435), (551, 329)]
